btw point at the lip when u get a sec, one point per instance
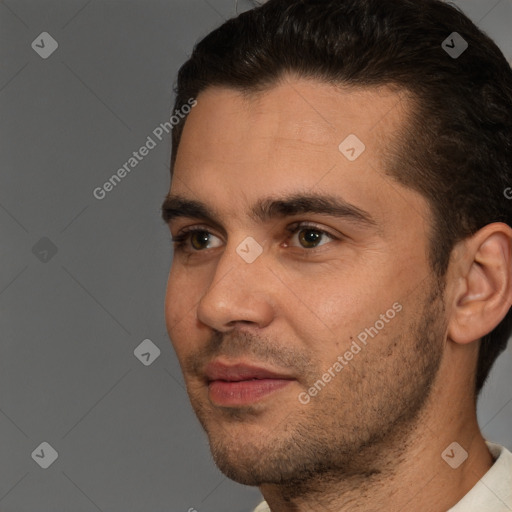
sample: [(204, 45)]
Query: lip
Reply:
[(242, 384), (236, 372)]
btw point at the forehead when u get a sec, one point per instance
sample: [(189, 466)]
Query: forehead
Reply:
[(297, 112), (296, 135)]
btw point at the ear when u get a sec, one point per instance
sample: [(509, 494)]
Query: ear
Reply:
[(483, 283)]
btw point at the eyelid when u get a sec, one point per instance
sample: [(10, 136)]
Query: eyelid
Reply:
[(182, 238), (292, 228), (295, 228), (195, 227)]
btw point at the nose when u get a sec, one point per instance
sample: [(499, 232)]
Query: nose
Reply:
[(239, 293)]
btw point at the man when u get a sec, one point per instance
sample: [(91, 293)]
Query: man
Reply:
[(341, 283)]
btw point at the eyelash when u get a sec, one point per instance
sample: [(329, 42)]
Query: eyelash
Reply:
[(181, 240)]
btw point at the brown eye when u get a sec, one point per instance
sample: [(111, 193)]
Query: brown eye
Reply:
[(308, 238), (199, 240), (195, 240)]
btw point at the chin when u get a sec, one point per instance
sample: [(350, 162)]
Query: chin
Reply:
[(240, 452), (244, 465)]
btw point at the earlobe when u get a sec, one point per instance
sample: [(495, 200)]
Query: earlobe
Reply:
[(484, 289)]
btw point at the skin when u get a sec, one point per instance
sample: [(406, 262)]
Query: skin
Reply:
[(372, 438)]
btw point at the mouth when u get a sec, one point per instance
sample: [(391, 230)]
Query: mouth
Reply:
[(242, 384)]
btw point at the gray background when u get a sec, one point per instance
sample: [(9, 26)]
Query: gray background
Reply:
[(82, 280)]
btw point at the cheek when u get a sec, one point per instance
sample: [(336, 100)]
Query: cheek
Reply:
[(333, 310), (180, 298)]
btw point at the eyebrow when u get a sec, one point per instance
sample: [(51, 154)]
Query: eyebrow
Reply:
[(176, 206)]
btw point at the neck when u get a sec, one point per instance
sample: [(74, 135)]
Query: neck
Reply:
[(407, 471)]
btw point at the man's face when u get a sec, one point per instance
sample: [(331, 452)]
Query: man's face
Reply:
[(308, 337)]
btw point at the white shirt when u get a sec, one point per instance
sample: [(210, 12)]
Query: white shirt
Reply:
[(492, 493)]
